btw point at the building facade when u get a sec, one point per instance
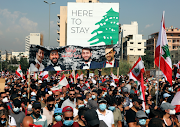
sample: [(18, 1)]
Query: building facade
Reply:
[(132, 42), (62, 23), (173, 38), (27, 43)]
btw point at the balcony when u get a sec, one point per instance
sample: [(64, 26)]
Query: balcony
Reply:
[(176, 44), (58, 15), (58, 23), (58, 32), (58, 40)]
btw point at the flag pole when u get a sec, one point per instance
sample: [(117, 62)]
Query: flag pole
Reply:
[(74, 76), (29, 84)]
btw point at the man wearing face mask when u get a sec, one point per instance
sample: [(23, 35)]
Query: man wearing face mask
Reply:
[(104, 114), (4, 99), (68, 117), (92, 104), (168, 110), (79, 104), (131, 113), (38, 119), (141, 119), (17, 113), (58, 117), (48, 111), (59, 99)]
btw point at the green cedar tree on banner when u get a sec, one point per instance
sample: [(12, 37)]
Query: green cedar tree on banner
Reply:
[(108, 30)]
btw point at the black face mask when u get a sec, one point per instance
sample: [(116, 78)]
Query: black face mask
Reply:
[(50, 108), (36, 114)]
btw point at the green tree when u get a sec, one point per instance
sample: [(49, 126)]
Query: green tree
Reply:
[(124, 67), (24, 64), (14, 60), (148, 59), (108, 30)]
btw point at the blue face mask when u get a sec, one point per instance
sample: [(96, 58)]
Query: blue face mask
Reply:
[(147, 111), (105, 93), (93, 96), (119, 90), (112, 108), (154, 84), (16, 109), (102, 107), (68, 122), (62, 98), (56, 105), (24, 95), (169, 89), (142, 121), (90, 98), (58, 118), (3, 122), (79, 106)]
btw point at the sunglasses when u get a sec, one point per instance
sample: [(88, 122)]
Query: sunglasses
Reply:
[(37, 108), (56, 114), (55, 95), (5, 96), (3, 119), (51, 104), (67, 118), (71, 94)]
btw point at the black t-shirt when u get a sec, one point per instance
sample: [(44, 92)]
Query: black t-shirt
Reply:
[(130, 116)]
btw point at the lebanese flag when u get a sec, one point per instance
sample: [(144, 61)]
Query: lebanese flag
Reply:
[(114, 77), (87, 84), (45, 75), (19, 72), (57, 73), (137, 73), (27, 72), (77, 76), (71, 77), (81, 76), (162, 54), (63, 82), (176, 101)]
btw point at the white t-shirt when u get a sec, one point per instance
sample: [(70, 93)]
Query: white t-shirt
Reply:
[(75, 112), (108, 118), (12, 121)]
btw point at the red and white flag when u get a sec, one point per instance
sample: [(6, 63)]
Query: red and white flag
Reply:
[(162, 54), (176, 101), (19, 72), (81, 76), (44, 75), (114, 77), (77, 76), (71, 77), (137, 72), (63, 82)]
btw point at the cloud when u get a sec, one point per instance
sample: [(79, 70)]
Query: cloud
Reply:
[(17, 41), (27, 24), (52, 24), (148, 25), (1, 33)]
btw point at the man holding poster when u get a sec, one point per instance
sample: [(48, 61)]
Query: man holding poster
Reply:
[(88, 63), (54, 66), (37, 65), (110, 59)]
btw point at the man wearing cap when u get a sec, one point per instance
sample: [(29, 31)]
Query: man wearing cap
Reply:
[(54, 66), (58, 117), (37, 64), (131, 113), (71, 101), (165, 97), (104, 114), (110, 60), (142, 118), (68, 117), (17, 113), (88, 63), (37, 117)]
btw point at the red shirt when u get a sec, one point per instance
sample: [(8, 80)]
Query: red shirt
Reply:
[(60, 124)]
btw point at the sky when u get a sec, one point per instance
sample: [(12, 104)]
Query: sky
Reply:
[(19, 18)]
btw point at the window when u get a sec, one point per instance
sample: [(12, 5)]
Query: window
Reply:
[(90, 1), (172, 35), (172, 56), (131, 49), (174, 47), (139, 43), (131, 42), (139, 49), (177, 40), (174, 41), (169, 40)]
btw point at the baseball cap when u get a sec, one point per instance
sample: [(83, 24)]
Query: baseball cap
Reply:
[(91, 117), (135, 98), (36, 105), (166, 105), (141, 114), (33, 125), (125, 89), (33, 93), (58, 110), (166, 95), (67, 108), (17, 103), (101, 100)]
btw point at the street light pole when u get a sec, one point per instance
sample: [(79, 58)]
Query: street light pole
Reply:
[(49, 18)]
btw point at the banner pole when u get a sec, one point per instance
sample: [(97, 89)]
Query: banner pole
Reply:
[(29, 84), (74, 76)]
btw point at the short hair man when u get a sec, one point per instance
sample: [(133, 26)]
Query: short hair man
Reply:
[(88, 63), (37, 65), (54, 66), (26, 121), (71, 101), (110, 60)]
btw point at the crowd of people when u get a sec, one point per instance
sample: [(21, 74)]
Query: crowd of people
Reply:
[(104, 103)]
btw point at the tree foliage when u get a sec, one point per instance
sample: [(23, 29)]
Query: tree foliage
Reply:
[(24, 64), (124, 67), (148, 60)]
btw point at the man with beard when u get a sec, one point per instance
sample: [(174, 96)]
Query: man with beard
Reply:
[(71, 101), (38, 119), (88, 63), (48, 111), (54, 66), (37, 64), (131, 113), (110, 60)]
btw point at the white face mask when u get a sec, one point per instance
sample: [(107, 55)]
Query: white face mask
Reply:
[(172, 112), (5, 100)]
